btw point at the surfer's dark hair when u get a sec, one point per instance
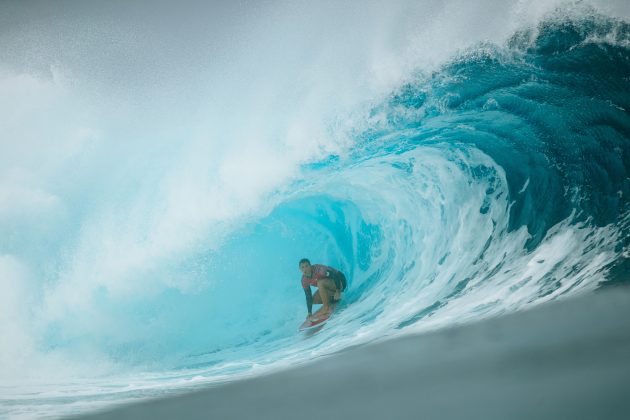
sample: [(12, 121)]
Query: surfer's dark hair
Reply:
[(304, 260)]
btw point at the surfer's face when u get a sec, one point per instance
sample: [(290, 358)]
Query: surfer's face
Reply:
[(306, 269)]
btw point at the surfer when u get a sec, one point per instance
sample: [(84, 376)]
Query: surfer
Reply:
[(329, 282)]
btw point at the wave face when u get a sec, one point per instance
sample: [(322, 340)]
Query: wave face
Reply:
[(146, 265)]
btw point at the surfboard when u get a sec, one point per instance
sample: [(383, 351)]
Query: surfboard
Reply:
[(320, 321)]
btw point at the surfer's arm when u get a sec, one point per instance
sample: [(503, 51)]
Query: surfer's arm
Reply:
[(309, 300)]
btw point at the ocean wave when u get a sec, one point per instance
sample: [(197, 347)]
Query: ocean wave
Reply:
[(498, 181)]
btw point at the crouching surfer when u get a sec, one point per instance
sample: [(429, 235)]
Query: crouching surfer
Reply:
[(330, 283)]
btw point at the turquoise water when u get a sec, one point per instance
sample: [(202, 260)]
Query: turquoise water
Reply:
[(150, 232)]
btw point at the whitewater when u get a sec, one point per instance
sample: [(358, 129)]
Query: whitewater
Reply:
[(163, 169)]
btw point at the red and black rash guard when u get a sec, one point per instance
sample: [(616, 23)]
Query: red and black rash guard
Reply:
[(318, 272)]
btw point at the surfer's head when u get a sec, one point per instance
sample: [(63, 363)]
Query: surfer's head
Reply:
[(305, 267)]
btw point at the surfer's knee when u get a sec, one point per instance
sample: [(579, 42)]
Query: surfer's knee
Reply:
[(325, 284)]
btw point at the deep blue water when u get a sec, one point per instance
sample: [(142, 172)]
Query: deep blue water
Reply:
[(496, 181)]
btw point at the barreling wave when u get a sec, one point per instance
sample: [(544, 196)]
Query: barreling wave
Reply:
[(498, 182)]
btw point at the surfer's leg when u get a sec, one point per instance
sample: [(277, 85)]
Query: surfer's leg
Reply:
[(340, 284), (317, 300), (326, 289)]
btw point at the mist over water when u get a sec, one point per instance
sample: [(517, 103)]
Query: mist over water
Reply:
[(163, 169)]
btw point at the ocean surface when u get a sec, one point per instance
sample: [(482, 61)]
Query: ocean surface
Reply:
[(163, 170)]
